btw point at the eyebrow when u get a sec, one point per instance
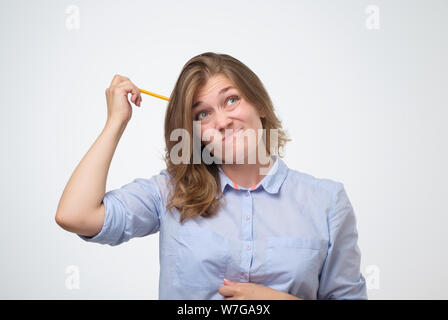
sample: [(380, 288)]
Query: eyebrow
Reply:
[(222, 91)]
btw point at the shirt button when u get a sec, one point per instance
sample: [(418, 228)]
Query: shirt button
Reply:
[(247, 193), (244, 276), (248, 247), (247, 217)]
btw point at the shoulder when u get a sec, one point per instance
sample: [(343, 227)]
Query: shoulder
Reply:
[(313, 185), (151, 189), (154, 184), (158, 183), (325, 195)]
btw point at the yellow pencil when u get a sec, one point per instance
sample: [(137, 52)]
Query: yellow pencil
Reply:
[(154, 94)]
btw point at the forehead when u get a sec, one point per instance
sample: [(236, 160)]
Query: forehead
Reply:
[(213, 86)]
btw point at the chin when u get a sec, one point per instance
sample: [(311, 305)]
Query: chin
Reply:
[(240, 156)]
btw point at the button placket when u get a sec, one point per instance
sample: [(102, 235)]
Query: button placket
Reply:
[(247, 244)]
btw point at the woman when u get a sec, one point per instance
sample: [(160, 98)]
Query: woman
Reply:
[(242, 226)]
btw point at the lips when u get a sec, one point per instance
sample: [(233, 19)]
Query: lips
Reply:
[(234, 132)]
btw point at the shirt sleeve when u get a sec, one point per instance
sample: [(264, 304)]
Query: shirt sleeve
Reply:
[(340, 276), (130, 211)]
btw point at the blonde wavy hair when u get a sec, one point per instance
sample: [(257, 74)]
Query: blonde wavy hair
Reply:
[(195, 188)]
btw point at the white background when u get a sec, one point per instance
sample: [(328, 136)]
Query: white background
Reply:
[(366, 107)]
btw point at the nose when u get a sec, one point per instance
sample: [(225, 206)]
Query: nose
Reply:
[(222, 121)]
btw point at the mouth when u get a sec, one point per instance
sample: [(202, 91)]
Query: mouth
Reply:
[(234, 132)]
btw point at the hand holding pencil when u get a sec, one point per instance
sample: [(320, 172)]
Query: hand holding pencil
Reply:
[(118, 107)]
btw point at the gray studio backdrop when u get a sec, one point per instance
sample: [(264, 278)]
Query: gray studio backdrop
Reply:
[(359, 85)]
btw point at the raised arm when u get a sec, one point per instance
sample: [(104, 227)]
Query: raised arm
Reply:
[(81, 209)]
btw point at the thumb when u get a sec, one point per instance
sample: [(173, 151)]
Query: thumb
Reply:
[(227, 282)]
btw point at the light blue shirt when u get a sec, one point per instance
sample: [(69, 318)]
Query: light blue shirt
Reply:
[(293, 232)]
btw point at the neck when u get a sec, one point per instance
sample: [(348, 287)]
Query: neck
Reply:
[(246, 175)]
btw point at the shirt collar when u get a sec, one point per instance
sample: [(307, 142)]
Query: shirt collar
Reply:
[(271, 182)]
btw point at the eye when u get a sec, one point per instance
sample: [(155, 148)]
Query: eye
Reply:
[(235, 98), (201, 115)]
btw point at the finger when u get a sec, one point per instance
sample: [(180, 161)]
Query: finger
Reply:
[(136, 94), (125, 83), (139, 96), (127, 87), (139, 100), (117, 79), (226, 291)]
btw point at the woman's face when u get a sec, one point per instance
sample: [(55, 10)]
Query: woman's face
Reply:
[(225, 119)]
